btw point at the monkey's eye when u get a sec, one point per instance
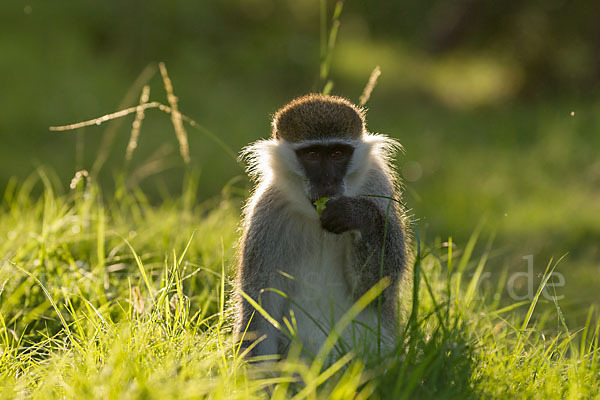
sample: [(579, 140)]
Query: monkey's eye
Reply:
[(336, 154), (312, 155)]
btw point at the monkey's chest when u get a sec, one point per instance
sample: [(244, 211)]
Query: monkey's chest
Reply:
[(317, 287), (322, 267)]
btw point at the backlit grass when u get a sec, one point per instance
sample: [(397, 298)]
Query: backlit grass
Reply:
[(124, 299)]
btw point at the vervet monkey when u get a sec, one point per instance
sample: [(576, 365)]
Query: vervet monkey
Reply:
[(310, 268)]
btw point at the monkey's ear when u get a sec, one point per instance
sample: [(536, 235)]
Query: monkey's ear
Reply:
[(316, 116)]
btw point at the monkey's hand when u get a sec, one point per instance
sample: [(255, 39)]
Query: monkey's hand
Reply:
[(348, 213)]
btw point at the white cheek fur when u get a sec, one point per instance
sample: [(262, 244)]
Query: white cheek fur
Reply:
[(273, 161), (358, 168)]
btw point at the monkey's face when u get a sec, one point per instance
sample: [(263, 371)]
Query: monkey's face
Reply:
[(325, 166)]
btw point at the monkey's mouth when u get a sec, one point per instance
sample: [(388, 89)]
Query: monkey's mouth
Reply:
[(315, 191), (315, 198), (330, 193)]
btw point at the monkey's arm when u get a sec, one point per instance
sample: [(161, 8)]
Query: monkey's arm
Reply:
[(380, 249), (258, 259)]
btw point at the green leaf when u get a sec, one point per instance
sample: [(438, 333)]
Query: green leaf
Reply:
[(321, 204)]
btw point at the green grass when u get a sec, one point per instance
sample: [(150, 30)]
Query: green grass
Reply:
[(107, 298)]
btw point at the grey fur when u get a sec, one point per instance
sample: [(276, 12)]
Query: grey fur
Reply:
[(317, 116)]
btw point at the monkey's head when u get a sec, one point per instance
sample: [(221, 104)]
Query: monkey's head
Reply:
[(324, 132), (319, 147), (318, 117)]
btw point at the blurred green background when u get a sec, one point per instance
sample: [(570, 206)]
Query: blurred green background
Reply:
[(497, 104)]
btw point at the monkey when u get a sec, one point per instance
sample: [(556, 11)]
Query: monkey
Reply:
[(304, 268)]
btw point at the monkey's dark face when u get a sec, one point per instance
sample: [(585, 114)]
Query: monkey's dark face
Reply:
[(325, 166)]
